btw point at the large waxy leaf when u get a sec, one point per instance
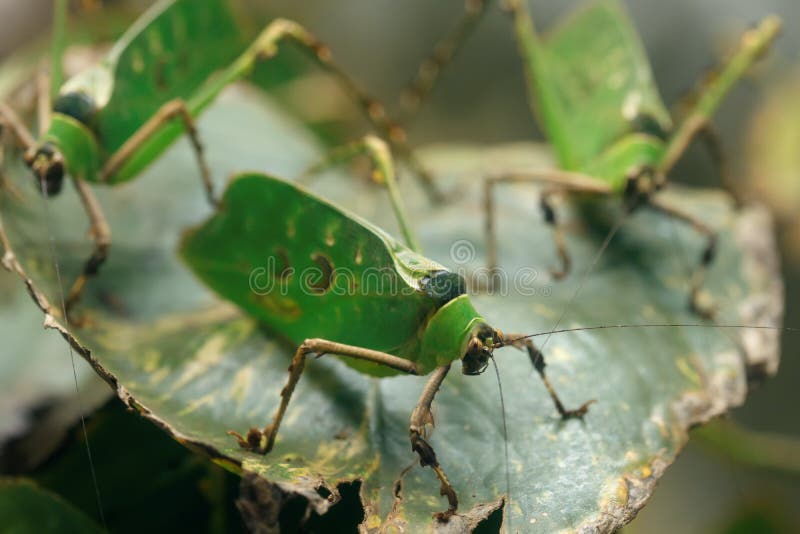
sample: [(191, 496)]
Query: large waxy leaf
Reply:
[(197, 367), (26, 508)]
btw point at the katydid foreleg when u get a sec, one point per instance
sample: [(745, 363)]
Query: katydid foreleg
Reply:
[(537, 360), (416, 429)]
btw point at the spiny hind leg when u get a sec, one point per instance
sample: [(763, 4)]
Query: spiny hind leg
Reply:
[(713, 143), (708, 97), (427, 457), (266, 47), (537, 359), (431, 67), (172, 110), (699, 302), (262, 441), (383, 172), (557, 181)]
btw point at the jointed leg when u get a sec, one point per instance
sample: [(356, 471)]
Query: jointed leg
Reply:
[(383, 171), (11, 123), (537, 359), (714, 146), (100, 233), (266, 47), (174, 109), (416, 428), (558, 234), (559, 181), (5, 181), (754, 44), (261, 441), (444, 51), (696, 304)]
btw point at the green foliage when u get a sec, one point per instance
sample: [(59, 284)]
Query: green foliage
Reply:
[(197, 368), (25, 508)]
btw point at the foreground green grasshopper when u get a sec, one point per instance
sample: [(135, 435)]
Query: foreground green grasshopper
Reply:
[(115, 119), (592, 90), (335, 284)]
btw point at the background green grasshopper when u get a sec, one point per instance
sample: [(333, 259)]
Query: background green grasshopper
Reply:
[(592, 90), (339, 285), (113, 120)]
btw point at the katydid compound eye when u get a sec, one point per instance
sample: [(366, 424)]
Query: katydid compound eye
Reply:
[(78, 105), (444, 286)]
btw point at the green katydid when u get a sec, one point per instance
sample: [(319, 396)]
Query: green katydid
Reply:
[(333, 283), (592, 90), (116, 118)]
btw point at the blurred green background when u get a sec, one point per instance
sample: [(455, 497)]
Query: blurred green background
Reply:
[(481, 98)]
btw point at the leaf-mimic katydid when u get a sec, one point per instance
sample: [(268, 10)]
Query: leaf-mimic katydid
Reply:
[(113, 120), (339, 285), (592, 90)]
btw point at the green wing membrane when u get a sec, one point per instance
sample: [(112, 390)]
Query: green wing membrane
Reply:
[(596, 67), (164, 57), (168, 53), (306, 268)]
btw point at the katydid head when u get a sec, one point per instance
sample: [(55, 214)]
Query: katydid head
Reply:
[(47, 160), (480, 346), (47, 164), (642, 182)]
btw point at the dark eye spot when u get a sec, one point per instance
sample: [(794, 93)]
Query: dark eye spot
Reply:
[(444, 286), (78, 105), (647, 124)]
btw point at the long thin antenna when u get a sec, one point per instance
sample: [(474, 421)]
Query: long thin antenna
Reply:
[(585, 276), (505, 444), (45, 87), (79, 396), (650, 325)]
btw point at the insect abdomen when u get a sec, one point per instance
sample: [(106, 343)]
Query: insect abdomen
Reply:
[(307, 269)]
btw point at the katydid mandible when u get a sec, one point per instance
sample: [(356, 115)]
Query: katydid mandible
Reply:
[(112, 121), (317, 290)]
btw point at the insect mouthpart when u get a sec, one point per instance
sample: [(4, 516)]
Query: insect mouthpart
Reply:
[(479, 349), (47, 164), (643, 181)]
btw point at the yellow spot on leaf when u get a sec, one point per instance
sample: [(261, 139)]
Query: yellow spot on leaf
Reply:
[(241, 384), (687, 370), (209, 355), (151, 360), (156, 377), (197, 403), (279, 305)]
